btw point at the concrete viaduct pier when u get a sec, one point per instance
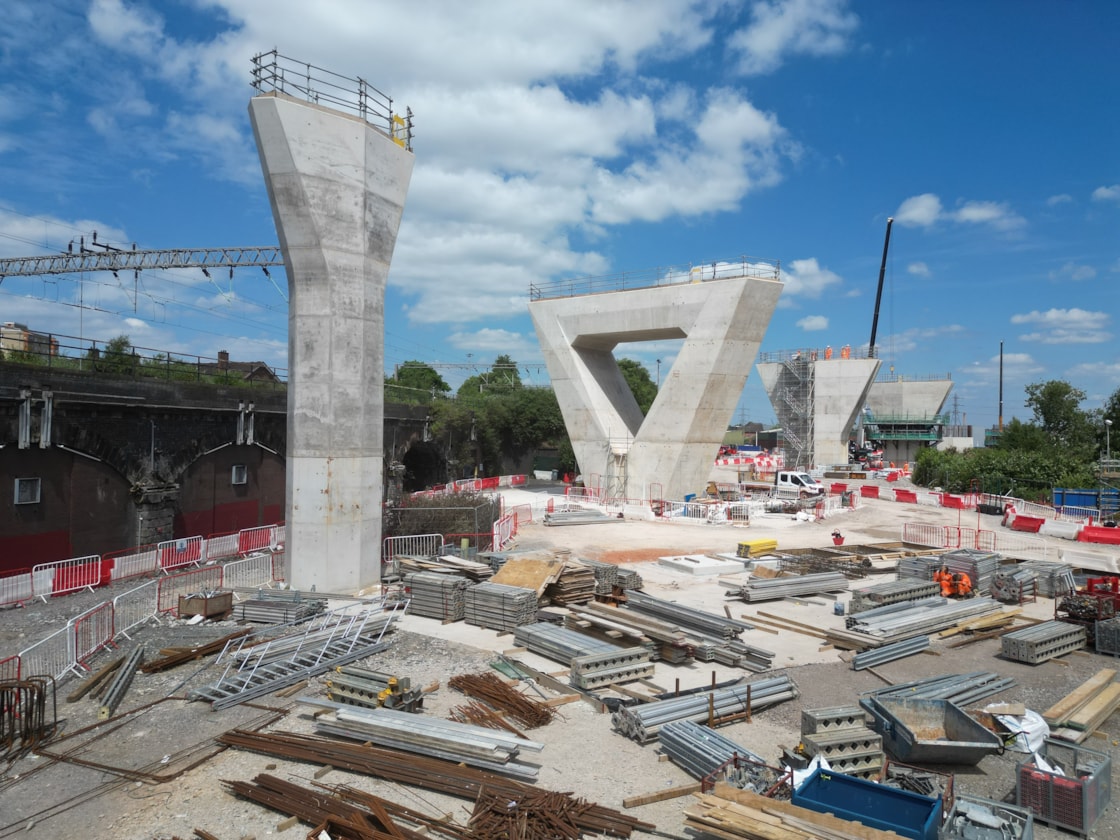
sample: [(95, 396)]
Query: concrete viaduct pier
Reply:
[(721, 311), (337, 180)]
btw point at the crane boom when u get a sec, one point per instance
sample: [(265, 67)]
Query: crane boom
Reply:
[(879, 291)]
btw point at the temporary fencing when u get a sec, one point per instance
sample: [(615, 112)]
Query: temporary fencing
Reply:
[(52, 656), (222, 546), (252, 571), (132, 562), (207, 578), (135, 607), (503, 531), (417, 545), (185, 551), (92, 631), (16, 588), (66, 576), (10, 668), (256, 539), (952, 536)]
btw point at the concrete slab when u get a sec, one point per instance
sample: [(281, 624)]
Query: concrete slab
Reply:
[(700, 564)]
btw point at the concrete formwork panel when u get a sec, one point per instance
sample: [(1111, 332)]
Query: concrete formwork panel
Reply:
[(909, 398), (838, 389), (337, 188), (668, 454)]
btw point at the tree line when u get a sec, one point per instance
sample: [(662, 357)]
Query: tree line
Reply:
[(1061, 445)]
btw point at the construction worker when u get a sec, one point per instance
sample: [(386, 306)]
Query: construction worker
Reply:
[(828, 352), (846, 351), (944, 579), (962, 585)]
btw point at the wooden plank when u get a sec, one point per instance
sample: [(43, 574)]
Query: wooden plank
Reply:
[(661, 795), (1065, 707), (781, 625), (1097, 710), (92, 682)]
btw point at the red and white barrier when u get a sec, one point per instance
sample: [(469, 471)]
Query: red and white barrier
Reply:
[(222, 546), (64, 576), (174, 554), (93, 630), (205, 579), (133, 562), (16, 589), (256, 539)]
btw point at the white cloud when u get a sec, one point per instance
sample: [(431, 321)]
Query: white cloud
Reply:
[(1073, 271), (919, 269), (1065, 326), (813, 323), (926, 210), (783, 28), (1055, 200), (807, 279), (1107, 193)]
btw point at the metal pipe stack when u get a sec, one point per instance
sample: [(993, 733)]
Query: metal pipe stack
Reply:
[(961, 689), (701, 751), (643, 723), (772, 589), (476, 746)]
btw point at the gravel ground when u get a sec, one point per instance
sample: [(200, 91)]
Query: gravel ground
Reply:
[(582, 755)]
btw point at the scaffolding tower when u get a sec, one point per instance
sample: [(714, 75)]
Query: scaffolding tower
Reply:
[(795, 410)]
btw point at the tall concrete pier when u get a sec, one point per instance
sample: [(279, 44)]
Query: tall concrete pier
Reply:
[(816, 401), (668, 453), (337, 186)]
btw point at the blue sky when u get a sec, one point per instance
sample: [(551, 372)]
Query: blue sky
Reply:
[(565, 139)]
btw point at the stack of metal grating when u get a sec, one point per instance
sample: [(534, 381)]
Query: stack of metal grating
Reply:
[(961, 689), (1043, 641), (559, 644), (920, 568), (436, 595), (772, 589), (891, 592), (1052, 579), (701, 751), (500, 607), (979, 565), (278, 607), (1107, 636), (622, 665), (840, 735), (643, 723), (906, 619)]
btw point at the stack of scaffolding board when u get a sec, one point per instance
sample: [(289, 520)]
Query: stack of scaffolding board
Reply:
[(405, 564), (1043, 641), (437, 595), (840, 735), (609, 577), (500, 607), (576, 585), (891, 592), (1083, 710)]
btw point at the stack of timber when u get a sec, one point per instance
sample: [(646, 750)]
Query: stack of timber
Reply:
[(448, 564), (1083, 710), (756, 548), (499, 607), (437, 595), (575, 585), (731, 813)]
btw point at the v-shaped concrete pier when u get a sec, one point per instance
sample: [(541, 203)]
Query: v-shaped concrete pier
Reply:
[(337, 186), (669, 453)]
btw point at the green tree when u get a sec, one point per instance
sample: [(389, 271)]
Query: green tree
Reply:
[(1057, 411), (502, 378), (118, 357), (641, 386), (414, 381)]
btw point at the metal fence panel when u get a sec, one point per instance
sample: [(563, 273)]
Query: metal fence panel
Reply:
[(254, 570), (10, 668), (133, 562), (922, 533), (174, 554), (66, 575), (171, 587), (93, 630), (221, 546), (256, 539), (419, 545), (51, 657), (136, 606), (15, 589)]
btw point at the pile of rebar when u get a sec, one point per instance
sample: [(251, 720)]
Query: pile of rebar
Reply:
[(496, 606), (772, 589), (700, 751), (437, 595), (431, 774), (28, 715), (475, 746), (506, 699), (643, 722), (961, 689)]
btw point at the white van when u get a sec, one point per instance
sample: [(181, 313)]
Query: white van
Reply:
[(790, 482)]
